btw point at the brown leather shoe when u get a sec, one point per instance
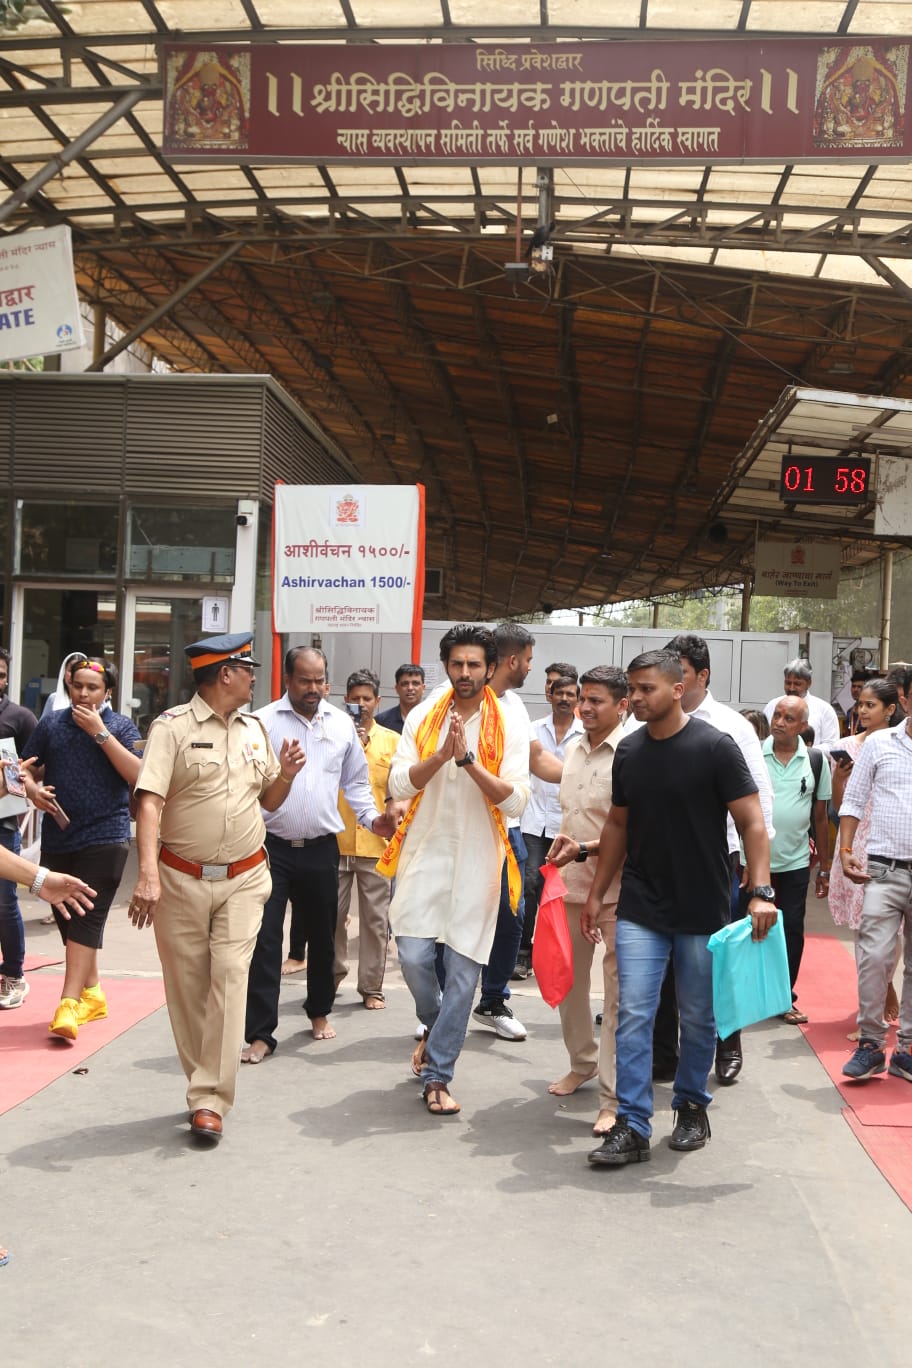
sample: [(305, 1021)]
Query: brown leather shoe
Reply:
[(207, 1124)]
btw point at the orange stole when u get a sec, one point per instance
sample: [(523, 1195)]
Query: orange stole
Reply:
[(490, 754)]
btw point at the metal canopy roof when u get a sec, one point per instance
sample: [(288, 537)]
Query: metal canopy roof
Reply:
[(809, 423), (576, 433)]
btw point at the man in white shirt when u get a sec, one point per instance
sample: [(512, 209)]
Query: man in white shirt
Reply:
[(821, 715), (881, 781), (463, 764), (542, 818), (514, 661), (302, 846)]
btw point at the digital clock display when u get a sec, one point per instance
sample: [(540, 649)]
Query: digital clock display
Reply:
[(825, 479)]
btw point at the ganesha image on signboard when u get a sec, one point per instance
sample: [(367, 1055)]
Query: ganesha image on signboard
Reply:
[(207, 101), (861, 96)]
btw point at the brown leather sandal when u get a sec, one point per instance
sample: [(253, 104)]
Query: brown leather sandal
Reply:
[(435, 1095), (418, 1054)]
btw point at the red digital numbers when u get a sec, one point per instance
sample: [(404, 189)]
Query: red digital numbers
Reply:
[(824, 480)]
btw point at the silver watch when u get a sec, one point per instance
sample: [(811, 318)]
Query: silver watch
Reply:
[(101, 737)]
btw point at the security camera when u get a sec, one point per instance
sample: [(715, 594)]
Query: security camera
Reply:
[(243, 520)]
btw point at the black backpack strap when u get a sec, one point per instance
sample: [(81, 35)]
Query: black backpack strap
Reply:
[(816, 758)]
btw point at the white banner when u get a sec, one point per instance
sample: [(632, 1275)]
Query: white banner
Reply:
[(39, 305), (805, 569), (348, 558)]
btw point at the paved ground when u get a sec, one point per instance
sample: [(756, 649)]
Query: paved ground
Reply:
[(338, 1223)]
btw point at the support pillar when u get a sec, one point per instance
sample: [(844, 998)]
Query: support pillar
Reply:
[(886, 605)]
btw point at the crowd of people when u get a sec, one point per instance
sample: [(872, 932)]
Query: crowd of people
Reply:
[(667, 814)]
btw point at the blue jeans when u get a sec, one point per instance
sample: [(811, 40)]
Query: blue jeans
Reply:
[(642, 957), (12, 932), (495, 976), (445, 1013), (537, 848)]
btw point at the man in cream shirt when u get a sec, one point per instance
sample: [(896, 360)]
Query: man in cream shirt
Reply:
[(585, 797)]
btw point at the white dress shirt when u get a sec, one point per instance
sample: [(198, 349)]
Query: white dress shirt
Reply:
[(335, 760), (725, 719), (884, 769), (543, 813)]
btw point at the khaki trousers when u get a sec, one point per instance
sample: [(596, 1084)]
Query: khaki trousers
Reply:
[(576, 1009), (205, 931), (373, 922)]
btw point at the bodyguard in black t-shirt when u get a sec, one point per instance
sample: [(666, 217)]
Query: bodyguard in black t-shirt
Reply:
[(674, 782)]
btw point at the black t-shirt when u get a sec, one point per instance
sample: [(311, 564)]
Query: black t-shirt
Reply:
[(16, 722), (392, 719), (676, 877)]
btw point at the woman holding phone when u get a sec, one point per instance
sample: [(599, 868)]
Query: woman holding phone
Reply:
[(85, 764)]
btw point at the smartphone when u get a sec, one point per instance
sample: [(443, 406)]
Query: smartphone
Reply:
[(13, 779), (841, 755), (60, 817), (354, 711)]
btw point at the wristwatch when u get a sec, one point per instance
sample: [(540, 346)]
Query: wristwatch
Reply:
[(764, 891), (583, 855), (101, 737), (467, 759)]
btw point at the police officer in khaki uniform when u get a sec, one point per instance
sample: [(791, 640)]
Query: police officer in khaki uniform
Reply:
[(203, 873)]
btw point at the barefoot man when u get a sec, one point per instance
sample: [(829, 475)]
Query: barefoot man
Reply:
[(585, 797)]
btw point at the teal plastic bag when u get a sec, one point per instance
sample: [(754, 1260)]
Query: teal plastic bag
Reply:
[(750, 978)]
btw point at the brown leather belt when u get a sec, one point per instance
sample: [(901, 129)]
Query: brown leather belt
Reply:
[(210, 871)]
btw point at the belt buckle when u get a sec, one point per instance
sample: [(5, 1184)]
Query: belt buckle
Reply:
[(211, 871), (296, 845)]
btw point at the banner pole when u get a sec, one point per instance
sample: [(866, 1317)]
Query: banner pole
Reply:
[(418, 601)]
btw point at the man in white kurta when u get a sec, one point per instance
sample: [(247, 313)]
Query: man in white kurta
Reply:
[(448, 875)]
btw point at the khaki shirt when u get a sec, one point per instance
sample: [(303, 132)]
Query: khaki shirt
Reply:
[(585, 797), (211, 774), (356, 839)]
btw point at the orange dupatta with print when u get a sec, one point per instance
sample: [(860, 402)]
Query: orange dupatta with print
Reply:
[(490, 755)]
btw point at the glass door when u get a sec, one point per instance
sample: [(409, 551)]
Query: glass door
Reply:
[(54, 622), (157, 629)]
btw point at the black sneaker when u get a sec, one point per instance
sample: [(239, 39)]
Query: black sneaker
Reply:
[(523, 966), (620, 1146), (868, 1060), (691, 1128), (500, 1016)]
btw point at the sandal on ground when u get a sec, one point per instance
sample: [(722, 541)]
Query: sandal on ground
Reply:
[(795, 1017), (436, 1097), (418, 1054)]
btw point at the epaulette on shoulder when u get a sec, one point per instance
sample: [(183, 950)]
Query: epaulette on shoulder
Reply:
[(173, 712)]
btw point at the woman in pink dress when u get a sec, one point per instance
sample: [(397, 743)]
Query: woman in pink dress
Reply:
[(878, 704)]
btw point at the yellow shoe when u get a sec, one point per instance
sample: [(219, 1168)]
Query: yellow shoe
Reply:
[(93, 1005), (66, 1021)]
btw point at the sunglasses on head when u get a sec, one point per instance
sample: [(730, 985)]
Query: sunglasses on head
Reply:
[(86, 665)]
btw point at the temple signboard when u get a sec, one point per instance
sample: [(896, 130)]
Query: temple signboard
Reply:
[(568, 103)]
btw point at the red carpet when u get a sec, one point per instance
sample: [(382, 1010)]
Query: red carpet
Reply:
[(828, 992), (30, 1058), (878, 1112)]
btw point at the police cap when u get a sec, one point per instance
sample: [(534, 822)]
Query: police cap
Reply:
[(221, 650)]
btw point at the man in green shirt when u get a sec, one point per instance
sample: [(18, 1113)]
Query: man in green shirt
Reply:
[(799, 800)]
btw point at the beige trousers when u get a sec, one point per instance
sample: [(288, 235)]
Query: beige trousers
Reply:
[(205, 931), (373, 922), (576, 1009)]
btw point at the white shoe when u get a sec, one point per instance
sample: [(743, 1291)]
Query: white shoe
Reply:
[(13, 992), (419, 1030), (499, 1015)]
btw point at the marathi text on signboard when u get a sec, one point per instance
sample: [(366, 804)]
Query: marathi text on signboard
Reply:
[(805, 569), (39, 304), (727, 101), (348, 558)]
